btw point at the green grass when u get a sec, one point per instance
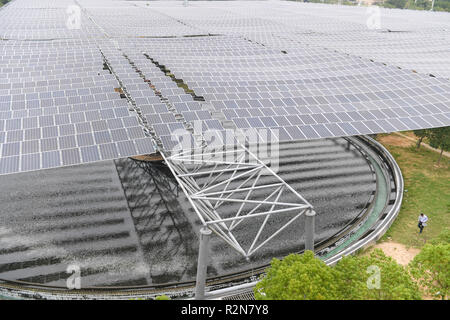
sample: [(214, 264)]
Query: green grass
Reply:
[(427, 190)]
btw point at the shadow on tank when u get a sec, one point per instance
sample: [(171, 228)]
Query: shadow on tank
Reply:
[(165, 233)]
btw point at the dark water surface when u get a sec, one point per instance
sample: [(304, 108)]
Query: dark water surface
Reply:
[(123, 224)]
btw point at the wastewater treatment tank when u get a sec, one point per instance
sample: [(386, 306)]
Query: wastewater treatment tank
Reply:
[(127, 225)]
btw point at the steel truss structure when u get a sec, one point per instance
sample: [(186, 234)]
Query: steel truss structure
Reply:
[(211, 178)]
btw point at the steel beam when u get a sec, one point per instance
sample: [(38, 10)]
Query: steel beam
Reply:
[(202, 264), (211, 179), (309, 229)]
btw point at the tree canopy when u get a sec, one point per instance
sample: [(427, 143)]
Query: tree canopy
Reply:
[(305, 277), (421, 134), (440, 139), (375, 277), (298, 277), (431, 266)]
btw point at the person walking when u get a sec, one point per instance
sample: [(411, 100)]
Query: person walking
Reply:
[(422, 222)]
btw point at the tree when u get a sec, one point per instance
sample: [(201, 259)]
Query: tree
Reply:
[(431, 266), (431, 269), (421, 134), (298, 277), (443, 237), (375, 277), (395, 3), (305, 277), (440, 139)]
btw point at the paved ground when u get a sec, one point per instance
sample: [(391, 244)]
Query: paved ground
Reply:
[(399, 252)]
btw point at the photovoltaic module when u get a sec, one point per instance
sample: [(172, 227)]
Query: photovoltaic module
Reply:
[(84, 81)]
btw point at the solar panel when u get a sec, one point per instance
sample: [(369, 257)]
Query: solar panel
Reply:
[(132, 76), (48, 123)]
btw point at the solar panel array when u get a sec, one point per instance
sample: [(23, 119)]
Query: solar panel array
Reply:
[(58, 106), (135, 77), (305, 95), (43, 20)]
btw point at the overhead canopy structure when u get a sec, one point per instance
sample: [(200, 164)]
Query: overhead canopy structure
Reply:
[(84, 81), (91, 80)]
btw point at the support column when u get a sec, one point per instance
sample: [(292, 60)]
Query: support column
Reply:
[(309, 230), (348, 145), (202, 263)]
